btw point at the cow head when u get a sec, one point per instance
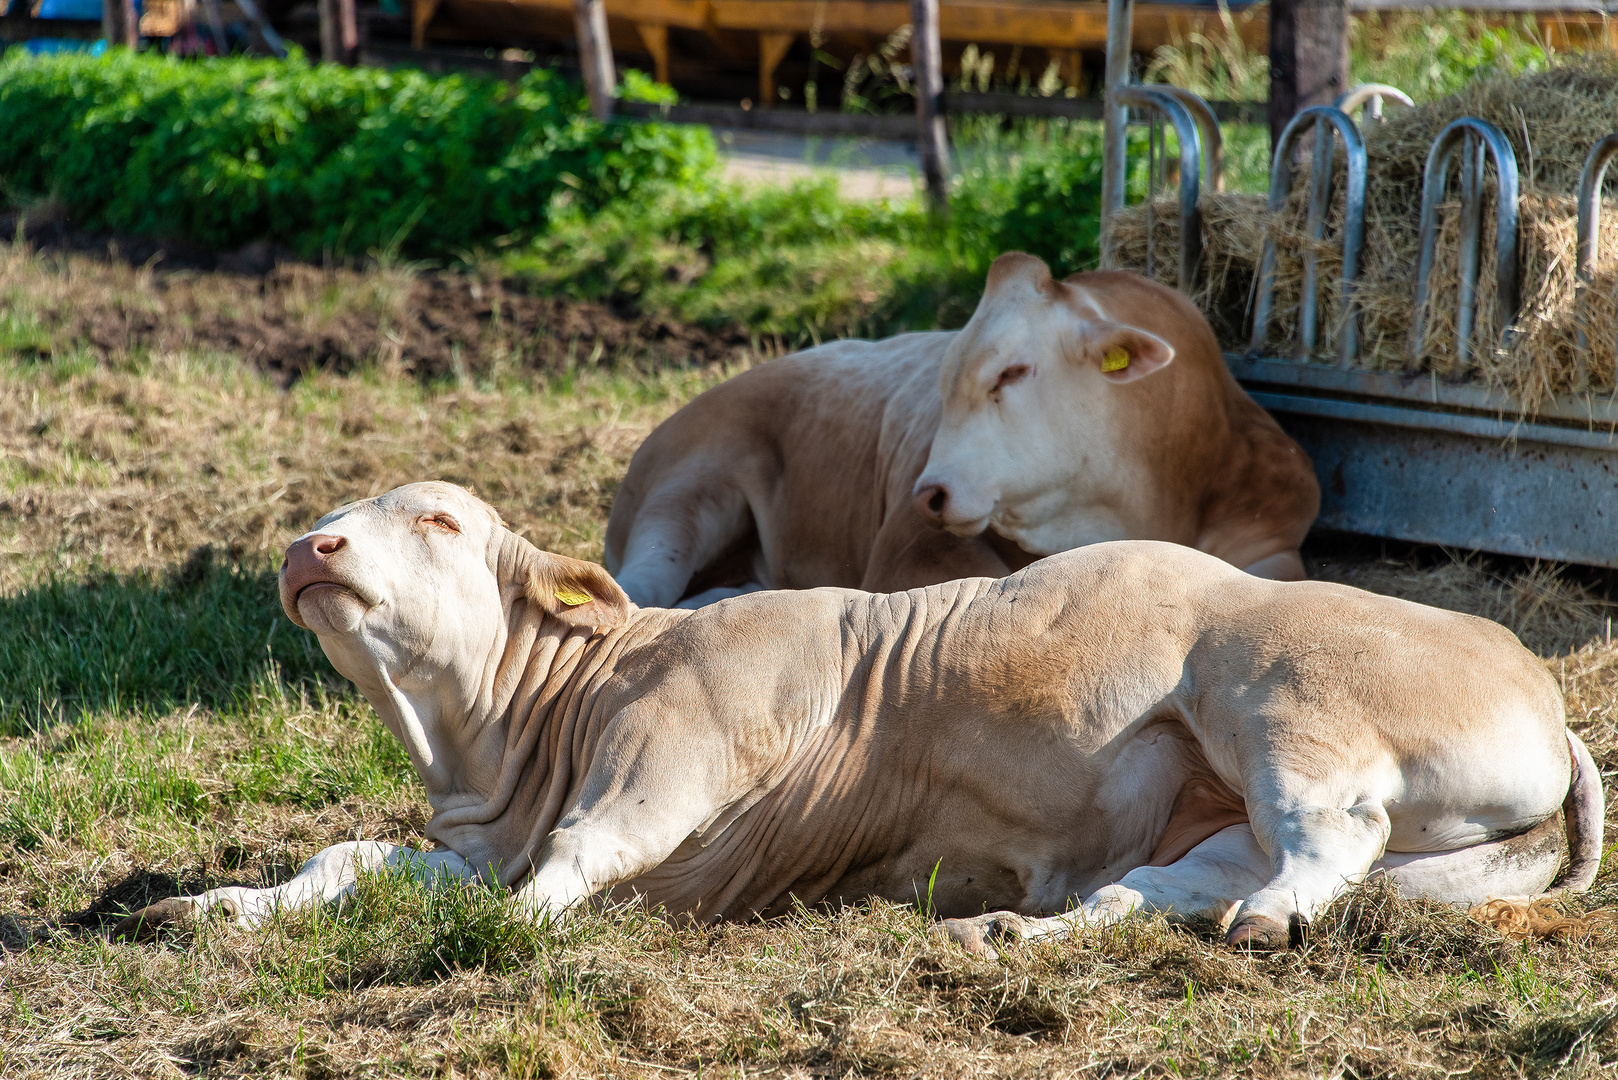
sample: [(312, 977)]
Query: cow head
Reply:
[(412, 594), (1026, 403)]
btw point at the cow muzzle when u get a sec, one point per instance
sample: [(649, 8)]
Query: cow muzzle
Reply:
[(938, 508), (313, 594)]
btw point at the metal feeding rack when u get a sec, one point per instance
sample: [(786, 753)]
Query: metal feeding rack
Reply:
[(1404, 455)]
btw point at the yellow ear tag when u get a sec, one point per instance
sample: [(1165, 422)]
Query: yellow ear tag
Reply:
[(1115, 360), (572, 598)]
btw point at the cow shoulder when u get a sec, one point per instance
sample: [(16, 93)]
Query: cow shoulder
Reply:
[(1252, 484)]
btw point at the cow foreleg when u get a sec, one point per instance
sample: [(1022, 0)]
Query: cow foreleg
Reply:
[(326, 878), (677, 534), (653, 785), (612, 839)]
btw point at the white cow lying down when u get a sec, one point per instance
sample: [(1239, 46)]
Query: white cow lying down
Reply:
[(1064, 413), (1129, 725)]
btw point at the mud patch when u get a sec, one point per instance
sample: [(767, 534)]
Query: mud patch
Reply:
[(121, 296), (440, 325)]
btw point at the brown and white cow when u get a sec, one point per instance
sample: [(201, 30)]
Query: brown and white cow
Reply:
[(1127, 726), (1064, 413)]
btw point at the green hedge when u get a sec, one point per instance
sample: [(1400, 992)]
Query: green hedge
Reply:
[(320, 158)]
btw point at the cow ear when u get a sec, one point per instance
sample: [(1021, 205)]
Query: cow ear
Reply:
[(579, 593), (1122, 353), (1016, 267)]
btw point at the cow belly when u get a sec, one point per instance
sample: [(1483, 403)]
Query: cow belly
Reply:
[(1204, 807)]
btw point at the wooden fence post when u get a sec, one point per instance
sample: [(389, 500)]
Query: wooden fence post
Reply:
[(1115, 118), (595, 55), (348, 31), (339, 31), (655, 36), (111, 10), (329, 46), (932, 139), (772, 49), (1308, 57), (120, 25)]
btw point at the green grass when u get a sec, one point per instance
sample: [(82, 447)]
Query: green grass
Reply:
[(144, 768), (198, 634), (1428, 54), (804, 265)]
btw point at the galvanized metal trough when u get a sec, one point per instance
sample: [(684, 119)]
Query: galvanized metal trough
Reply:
[(1402, 455)]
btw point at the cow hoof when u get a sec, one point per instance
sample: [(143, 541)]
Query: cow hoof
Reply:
[(172, 914), (1260, 933), (978, 936)]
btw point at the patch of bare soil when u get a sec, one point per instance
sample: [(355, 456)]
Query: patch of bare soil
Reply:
[(288, 318)]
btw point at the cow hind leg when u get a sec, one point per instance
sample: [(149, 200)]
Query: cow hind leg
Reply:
[(327, 877), (1317, 852), (1204, 887), (1209, 884)]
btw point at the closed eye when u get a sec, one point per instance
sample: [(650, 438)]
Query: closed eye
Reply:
[(1013, 374), (442, 521)]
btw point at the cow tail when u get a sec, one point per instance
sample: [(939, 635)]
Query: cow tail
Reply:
[(1584, 814)]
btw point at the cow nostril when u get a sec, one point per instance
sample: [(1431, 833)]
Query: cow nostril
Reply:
[(929, 503), (329, 545)]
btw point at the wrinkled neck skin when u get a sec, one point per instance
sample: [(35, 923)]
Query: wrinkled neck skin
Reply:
[(472, 731)]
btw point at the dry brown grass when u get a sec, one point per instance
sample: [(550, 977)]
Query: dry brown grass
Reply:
[(1552, 120), (127, 463), (135, 458)]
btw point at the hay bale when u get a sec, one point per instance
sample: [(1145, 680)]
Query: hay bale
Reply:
[(1552, 119)]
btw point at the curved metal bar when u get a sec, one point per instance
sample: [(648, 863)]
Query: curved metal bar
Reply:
[(1185, 128), (1589, 243), (1317, 118), (1475, 138), (1370, 95), (1213, 141)]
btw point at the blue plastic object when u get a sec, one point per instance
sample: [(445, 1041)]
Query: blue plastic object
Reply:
[(69, 9), (48, 45)]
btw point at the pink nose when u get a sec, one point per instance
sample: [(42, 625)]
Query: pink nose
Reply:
[(930, 502), (307, 556)]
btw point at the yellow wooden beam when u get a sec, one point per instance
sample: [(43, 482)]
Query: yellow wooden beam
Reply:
[(1050, 24), (1064, 27), (880, 17), (421, 13), (772, 49), (656, 40), (685, 14)]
